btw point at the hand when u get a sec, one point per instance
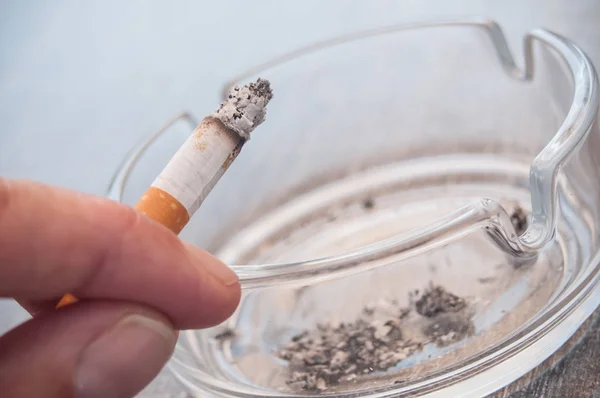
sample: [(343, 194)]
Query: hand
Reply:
[(137, 284)]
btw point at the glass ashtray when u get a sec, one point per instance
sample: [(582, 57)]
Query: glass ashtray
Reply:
[(418, 216)]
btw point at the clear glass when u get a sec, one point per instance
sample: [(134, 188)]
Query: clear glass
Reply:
[(392, 160)]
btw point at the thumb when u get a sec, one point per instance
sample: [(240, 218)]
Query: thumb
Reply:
[(88, 350)]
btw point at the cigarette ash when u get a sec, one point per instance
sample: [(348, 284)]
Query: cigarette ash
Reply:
[(227, 334), (449, 322), (334, 354), (368, 203), (246, 107), (518, 218), (436, 300), (341, 352), (449, 329)]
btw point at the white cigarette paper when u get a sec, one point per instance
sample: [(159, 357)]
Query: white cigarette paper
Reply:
[(199, 164)]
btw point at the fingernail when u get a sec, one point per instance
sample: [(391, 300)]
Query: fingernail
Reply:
[(215, 267), (122, 360)]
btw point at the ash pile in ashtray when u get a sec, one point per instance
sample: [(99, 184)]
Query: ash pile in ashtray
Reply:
[(332, 354), (436, 300), (518, 218), (449, 323), (337, 353)]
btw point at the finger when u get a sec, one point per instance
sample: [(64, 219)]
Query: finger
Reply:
[(96, 349), (53, 241), (36, 307)]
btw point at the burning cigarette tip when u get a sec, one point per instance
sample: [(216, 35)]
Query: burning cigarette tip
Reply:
[(246, 107)]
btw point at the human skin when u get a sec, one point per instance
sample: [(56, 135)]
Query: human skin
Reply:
[(137, 283)]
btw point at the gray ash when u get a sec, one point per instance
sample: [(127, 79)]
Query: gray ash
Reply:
[(450, 322), (342, 352), (436, 300), (518, 218), (227, 334), (488, 279), (336, 353), (262, 88), (368, 203), (449, 329), (245, 107)]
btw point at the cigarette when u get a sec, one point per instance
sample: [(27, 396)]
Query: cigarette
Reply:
[(179, 190)]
